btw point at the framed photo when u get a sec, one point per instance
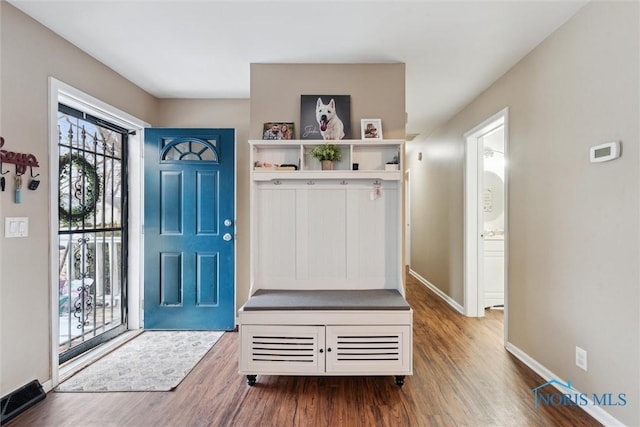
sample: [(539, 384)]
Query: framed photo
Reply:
[(371, 129), (278, 131), (326, 117)]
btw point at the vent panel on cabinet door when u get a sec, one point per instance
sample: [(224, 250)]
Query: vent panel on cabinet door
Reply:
[(364, 349), (282, 349), (375, 347)]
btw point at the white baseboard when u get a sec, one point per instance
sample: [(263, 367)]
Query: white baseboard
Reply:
[(438, 292), (47, 386), (595, 411)]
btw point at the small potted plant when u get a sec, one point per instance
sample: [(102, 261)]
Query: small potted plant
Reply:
[(327, 154)]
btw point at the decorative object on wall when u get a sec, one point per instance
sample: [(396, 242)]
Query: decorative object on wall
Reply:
[(371, 129), (325, 117), (493, 197), (22, 162), (327, 154), (278, 130)]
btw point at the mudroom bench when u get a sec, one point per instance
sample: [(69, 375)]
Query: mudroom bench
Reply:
[(326, 294), (326, 332)]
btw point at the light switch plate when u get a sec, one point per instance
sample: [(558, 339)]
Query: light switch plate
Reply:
[(16, 227)]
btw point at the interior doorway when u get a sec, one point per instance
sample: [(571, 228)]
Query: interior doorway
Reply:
[(486, 216)]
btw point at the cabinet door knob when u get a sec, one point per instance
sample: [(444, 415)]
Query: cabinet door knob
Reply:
[(321, 351), (329, 350)]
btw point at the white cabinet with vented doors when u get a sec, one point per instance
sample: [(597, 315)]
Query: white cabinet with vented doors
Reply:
[(330, 350), (327, 292), (283, 349)]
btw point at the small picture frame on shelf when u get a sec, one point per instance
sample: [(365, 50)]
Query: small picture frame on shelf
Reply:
[(371, 128), (278, 131)]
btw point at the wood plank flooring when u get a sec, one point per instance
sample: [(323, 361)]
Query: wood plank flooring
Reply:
[(463, 376)]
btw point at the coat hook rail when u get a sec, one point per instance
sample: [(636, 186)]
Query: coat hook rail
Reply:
[(21, 160)]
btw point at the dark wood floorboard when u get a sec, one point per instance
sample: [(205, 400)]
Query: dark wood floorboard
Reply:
[(463, 376)]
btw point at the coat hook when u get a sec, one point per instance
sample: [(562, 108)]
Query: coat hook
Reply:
[(32, 175), (2, 172)]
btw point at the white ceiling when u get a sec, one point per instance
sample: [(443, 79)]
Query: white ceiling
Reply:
[(453, 50)]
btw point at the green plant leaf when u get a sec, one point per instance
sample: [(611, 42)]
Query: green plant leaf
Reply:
[(327, 152)]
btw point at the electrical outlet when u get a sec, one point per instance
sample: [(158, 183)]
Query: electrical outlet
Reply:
[(581, 358)]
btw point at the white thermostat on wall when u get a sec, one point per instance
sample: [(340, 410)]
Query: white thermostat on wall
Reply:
[(604, 152)]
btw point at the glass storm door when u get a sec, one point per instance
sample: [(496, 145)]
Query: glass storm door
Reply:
[(189, 229)]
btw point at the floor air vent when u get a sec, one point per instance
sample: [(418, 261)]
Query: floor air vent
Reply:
[(20, 400)]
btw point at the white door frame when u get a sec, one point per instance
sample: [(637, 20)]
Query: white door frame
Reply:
[(407, 217), (60, 91), (473, 219)]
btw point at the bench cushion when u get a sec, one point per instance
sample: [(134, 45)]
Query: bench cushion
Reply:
[(370, 299)]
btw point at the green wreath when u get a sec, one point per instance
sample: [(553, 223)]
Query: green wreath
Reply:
[(77, 212)]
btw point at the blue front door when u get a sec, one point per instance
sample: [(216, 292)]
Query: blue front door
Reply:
[(189, 222)]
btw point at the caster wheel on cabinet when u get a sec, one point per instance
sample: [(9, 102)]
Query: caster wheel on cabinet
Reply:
[(400, 380), (251, 379)]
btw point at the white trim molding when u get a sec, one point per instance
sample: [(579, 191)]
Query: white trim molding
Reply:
[(453, 303), (473, 272), (62, 92), (595, 411)]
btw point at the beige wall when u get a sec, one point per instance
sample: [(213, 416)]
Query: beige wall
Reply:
[(377, 91), (30, 54), (230, 113), (574, 226)]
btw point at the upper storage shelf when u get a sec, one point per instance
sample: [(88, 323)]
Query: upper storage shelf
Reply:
[(293, 160)]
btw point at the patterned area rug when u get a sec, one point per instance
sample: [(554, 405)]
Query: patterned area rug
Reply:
[(153, 361)]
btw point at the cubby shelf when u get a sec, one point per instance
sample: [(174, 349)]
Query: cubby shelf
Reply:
[(335, 174), (371, 157)]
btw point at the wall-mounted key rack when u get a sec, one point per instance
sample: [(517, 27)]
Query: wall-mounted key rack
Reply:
[(22, 161)]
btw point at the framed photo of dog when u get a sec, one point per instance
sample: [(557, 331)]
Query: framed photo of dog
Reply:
[(326, 117), (371, 129)]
